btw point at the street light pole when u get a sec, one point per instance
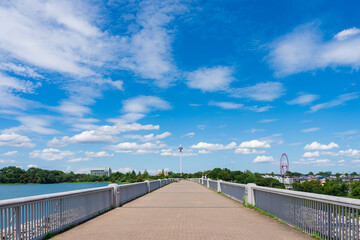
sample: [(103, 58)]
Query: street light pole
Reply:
[(180, 149)]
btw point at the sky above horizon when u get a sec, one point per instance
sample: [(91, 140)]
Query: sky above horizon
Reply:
[(123, 83)]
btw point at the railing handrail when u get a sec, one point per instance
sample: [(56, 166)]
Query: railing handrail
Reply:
[(130, 184), (24, 200), (234, 184), (343, 201)]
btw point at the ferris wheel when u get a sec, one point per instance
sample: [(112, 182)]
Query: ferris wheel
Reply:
[(284, 164)]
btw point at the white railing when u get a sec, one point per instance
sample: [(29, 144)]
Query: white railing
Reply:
[(328, 217), (35, 217)]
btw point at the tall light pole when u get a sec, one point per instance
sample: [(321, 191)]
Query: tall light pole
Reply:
[(180, 149)]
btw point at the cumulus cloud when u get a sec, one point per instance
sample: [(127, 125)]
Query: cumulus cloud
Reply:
[(98, 154), (340, 100), (343, 153), (318, 146), (248, 151), (266, 91), (150, 137), (263, 159), (50, 154), (145, 104), (32, 166), (15, 140), (311, 154), (303, 99), (254, 144), (6, 161), (102, 134), (175, 152), (304, 50), (210, 79), (10, 153), (347, 33), (211, 147), (314, 162), (81, 159), (133, 147)]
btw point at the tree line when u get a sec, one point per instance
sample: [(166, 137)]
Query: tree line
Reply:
[(36, 175)]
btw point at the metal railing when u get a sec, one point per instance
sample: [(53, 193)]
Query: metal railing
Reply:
[(328, 217), (34, 217)]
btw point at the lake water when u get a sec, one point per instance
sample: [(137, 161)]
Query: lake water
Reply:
[(26, 190)]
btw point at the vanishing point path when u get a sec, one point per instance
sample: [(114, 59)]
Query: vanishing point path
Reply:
[(182, 211)]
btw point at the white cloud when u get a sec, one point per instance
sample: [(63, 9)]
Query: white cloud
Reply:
[(123, 170), (59, 35), (10, 153), (148, 50), (15, 140), (304, 50), (211, 147), (344, 153), (102, 134), (226, 105), (247, 151), (100, 154), (266, 91), (303, 99), (263, 159), (232, 105), (145, 104), (344, 34), (32, 166), (340, 100), (81, 159), (190, 134), (50, 154), (311, 154), (175, 152), (254, 130), (5, 161), (150, 137), (314, 129), (133, 147), (254, 144), (318, 146), (210, 79), (314, 162), (268, 120), (20, 70), (35, 123)]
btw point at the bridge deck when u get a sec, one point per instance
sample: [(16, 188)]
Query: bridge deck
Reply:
[(184, 210)]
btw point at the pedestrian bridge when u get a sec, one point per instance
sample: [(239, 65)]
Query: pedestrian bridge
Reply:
[(181, 210)]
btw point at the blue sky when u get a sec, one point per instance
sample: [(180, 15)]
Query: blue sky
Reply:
[(123, 83)]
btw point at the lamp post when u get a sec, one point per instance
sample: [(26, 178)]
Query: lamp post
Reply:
[(180, 149)]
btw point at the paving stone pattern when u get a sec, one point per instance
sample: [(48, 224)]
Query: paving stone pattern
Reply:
[(183, 211)]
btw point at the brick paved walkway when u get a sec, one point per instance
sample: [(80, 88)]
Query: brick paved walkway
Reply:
[(184, 210)]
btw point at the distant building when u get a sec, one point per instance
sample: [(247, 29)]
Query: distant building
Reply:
[(101, 171), (160, 172)]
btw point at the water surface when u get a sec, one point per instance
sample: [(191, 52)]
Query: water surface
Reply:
[(25, 190)]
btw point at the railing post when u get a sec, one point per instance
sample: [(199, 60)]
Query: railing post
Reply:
[(249, 193), (148, 185), (115, 195), (18, 222), (208, 183), (219, 185), (159, 183)]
